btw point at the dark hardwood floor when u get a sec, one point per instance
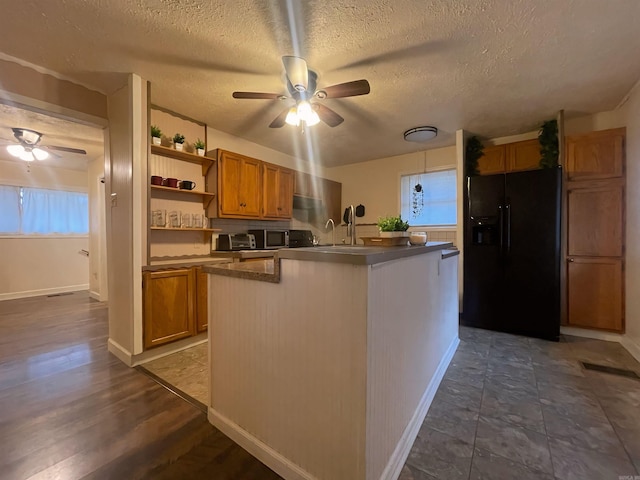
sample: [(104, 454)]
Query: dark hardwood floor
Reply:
[(70, 410)]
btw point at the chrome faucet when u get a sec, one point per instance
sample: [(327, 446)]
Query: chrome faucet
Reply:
[(333, 229), (351, 225)]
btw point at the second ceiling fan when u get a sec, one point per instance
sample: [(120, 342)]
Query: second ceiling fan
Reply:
[(301, 85)]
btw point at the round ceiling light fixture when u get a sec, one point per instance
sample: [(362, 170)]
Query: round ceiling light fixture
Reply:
[(420, 134)]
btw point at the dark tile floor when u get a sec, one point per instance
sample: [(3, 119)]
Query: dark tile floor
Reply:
[(512, 407), (508, 408)]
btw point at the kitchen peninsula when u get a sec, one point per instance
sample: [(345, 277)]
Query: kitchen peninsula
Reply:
[(325, 360)]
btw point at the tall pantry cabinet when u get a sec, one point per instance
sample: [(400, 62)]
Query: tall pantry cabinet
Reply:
[(595, 199)]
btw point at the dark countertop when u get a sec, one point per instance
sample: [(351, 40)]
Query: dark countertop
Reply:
[(244, 254), (358, 254), (156, 267), (268, 270)]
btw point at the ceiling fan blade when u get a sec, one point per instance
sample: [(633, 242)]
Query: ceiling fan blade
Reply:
[(348, 89), (257, 95), (297, 72), (327, 115), (279, 121), (65, 149)]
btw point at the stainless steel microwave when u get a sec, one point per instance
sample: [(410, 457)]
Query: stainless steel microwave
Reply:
[(270, 239)]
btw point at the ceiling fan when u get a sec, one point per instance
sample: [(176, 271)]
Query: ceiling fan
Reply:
[(29, 149), (301, 85)]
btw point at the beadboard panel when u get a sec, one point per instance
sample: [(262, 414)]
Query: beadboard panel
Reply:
[(408, 336), (298, 384)]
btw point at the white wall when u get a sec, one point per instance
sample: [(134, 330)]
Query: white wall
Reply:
[(632, 282), (34, 266), (376, 184), (97, 231)]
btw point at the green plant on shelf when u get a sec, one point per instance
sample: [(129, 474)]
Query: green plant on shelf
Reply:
[(199, 144), (178, 138), (392, 224), (155, 131)]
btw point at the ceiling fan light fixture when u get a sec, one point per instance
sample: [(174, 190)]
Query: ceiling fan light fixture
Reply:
[(15, 150), (420, 134), (40, 154), (292, 117)]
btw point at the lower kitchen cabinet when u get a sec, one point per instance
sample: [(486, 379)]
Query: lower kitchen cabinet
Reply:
[(175, 305), (168, 306), (201, 297)]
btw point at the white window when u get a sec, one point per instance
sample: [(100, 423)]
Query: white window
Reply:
[(429, 199), (38, 211)]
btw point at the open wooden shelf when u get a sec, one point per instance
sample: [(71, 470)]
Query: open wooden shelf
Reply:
[(169, 229), (207, 197), (205, 161)]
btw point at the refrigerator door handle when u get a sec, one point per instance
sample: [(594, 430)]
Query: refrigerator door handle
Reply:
[(508, 210), (501, 234)]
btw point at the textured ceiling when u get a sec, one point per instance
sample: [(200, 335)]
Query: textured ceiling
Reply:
[(493, 67), (55, 132)]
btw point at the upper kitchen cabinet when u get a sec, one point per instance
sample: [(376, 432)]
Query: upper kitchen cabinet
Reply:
[(239, 185), (596, 155), (510, 157), (306, 185), (492, 160), (332, 199), (277, 191), (523, 155)]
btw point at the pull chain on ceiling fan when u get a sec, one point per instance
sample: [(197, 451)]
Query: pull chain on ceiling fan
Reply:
[(301, 85)]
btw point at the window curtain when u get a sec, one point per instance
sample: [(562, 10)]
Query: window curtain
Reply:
[(54, 212), (9, 209)]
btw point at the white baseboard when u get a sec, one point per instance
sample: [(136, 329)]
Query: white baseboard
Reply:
[(632, 345), (132, 360), (286, 469), (120, 352), (401, 452), (257, 448), (41, 292)]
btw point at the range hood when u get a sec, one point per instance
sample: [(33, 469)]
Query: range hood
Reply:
[(306, 203)]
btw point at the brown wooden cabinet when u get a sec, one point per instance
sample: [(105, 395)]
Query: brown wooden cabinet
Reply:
[(306, 185), (596, 155), (595, 196), (493, 160), (201, 299), (168, 306), (332, 200), (523, 155), (510, 157), (239, 185), (277, 191), (595, 293)]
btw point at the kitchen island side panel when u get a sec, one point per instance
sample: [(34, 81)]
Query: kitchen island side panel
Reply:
[(288, 366), (411, 338)]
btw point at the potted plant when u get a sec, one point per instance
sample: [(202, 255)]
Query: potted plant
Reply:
[(392, 226), (199, 146), (178, 141), (156, 134)]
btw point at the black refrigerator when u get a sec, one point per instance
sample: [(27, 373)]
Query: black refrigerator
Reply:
[(512, 253)]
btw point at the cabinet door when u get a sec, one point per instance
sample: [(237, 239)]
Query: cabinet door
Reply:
[(250, 183), (595, 220), (306, 185), (239, 183), (523, 155), (492, 161), (595, 298), (168, 306), (332, 199), (201, 297), (270, 191), (596, 155), (230, 170), (285, 193)]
